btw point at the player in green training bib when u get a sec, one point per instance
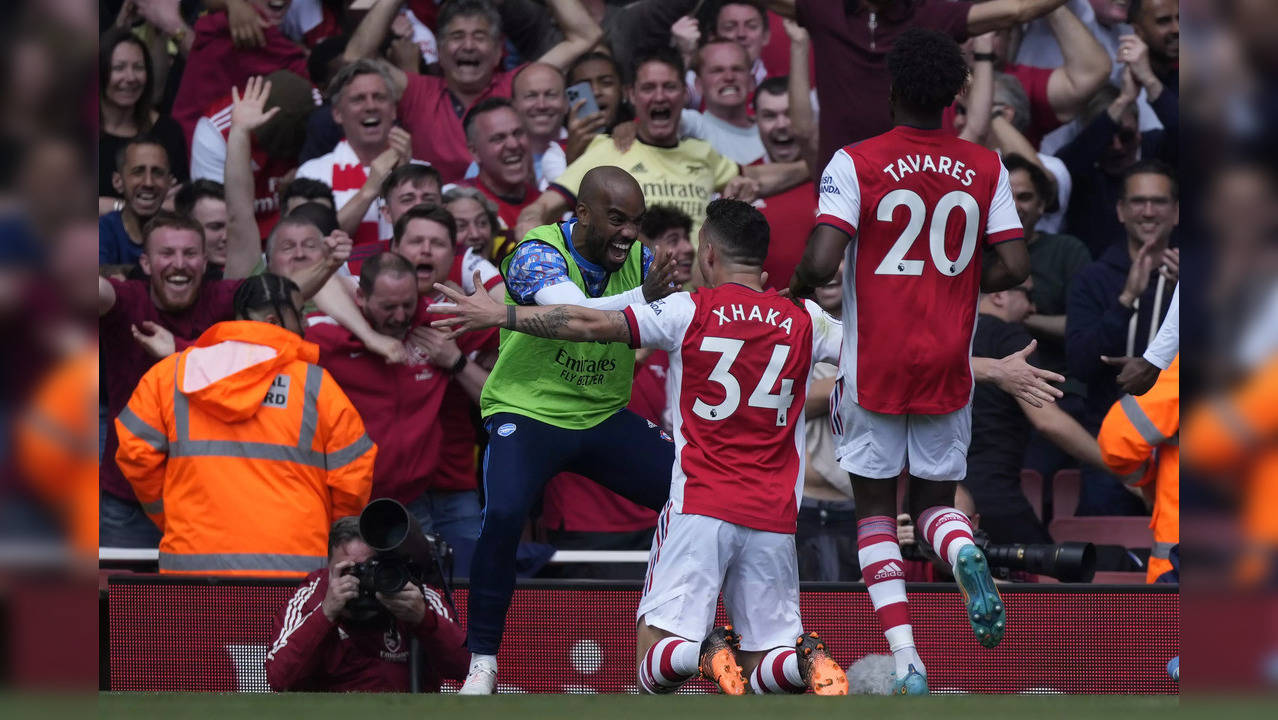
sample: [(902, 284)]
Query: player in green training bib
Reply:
[(554, 406)]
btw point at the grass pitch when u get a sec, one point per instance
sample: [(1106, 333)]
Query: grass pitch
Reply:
[(295, 706)]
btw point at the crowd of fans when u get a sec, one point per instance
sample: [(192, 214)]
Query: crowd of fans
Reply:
[(309, 138)]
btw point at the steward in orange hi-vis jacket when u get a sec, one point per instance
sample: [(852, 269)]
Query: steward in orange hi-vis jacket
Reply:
[(244, 451), (1140, 441)]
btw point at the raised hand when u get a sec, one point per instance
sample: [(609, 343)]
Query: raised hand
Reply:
[(796, 32), (1134, 53), (248, 28), (659, 281), (248, 112), (402, 142), (1016, 377), (685, 35), (338, 246), (383, 165), (581, 130), (1170, 267), (624, 134), (156, 340), (741, 188), (470, 312), (1138, 276)]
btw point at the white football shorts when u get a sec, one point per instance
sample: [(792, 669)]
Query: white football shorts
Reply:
[(878, 445), (694, 557)]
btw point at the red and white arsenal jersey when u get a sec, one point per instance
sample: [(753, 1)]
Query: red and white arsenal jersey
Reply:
[(738, 378), (921, 205), (465, 262), (208, 161), (342, 171)]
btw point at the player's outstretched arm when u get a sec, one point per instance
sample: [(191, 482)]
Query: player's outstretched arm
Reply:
[(1016, 377), (558, 322)]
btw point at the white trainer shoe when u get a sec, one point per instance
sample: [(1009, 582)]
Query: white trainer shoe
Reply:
[(481, 679)]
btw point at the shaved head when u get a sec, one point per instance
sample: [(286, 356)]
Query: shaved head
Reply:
[(609, 207), (610, 181)]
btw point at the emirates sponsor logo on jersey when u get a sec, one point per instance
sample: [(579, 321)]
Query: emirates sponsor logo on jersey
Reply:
[(583, 372), (891, 571)]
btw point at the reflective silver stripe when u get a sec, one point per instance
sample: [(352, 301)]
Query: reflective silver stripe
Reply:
[(1235, 423), (241, 561), (248, 451), (181, 408), (144, 432), (1163, 550), (310, 407), (1140, 421), (153, 508), (341, 458)]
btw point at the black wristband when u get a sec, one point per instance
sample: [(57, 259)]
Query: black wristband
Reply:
[(510, 317), (984, 57), (459, 365)]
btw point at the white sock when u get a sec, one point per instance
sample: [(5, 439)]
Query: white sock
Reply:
[(906, 656), (767, 679), (669, 663), (485, 661)]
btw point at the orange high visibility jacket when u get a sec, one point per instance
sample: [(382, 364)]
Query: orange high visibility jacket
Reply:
[(244, 451), (1140, 440), (56, 442), (1233, 435)]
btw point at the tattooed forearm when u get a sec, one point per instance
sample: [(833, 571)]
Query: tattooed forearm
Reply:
[(550, 322), (618, 328), (567, 322)]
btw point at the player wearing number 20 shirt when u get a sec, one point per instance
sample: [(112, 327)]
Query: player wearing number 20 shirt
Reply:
[(922, 204), (913, 212)]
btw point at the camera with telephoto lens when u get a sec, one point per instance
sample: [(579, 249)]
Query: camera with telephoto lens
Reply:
[(404, 554), (1067, 562)]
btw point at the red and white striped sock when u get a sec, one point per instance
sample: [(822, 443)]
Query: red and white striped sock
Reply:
[(669, 663), (778, 672), (883, 571), (947, 530)]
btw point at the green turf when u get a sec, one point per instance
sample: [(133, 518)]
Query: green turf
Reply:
[(587, 707)]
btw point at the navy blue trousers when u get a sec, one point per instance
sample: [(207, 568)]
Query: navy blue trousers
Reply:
[(624, 453)]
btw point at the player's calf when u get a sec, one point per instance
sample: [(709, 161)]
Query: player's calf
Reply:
[(668, 663)]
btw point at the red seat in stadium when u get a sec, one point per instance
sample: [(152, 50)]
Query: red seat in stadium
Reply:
[(1066, 485), (1129, 532), (1032, 486)]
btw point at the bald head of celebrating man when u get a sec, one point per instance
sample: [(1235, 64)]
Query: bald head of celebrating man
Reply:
[(609, 208)]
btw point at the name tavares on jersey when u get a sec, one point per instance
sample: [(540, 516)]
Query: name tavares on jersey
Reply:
[(734, 312), (925, 163)]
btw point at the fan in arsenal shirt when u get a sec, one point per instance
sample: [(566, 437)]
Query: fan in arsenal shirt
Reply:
[(363, 99), (498, 139)]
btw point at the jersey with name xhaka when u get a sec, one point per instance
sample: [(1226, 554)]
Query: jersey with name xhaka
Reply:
[(738, 378)]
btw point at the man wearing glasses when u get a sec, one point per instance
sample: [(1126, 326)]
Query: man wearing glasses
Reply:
[(1115, 307)]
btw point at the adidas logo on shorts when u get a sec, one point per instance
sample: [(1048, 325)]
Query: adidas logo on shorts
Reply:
[(889, 571)]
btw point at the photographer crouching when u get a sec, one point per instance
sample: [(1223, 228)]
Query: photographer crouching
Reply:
[(332, 636)]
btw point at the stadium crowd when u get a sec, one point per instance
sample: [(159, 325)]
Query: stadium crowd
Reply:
[(321, 164)]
